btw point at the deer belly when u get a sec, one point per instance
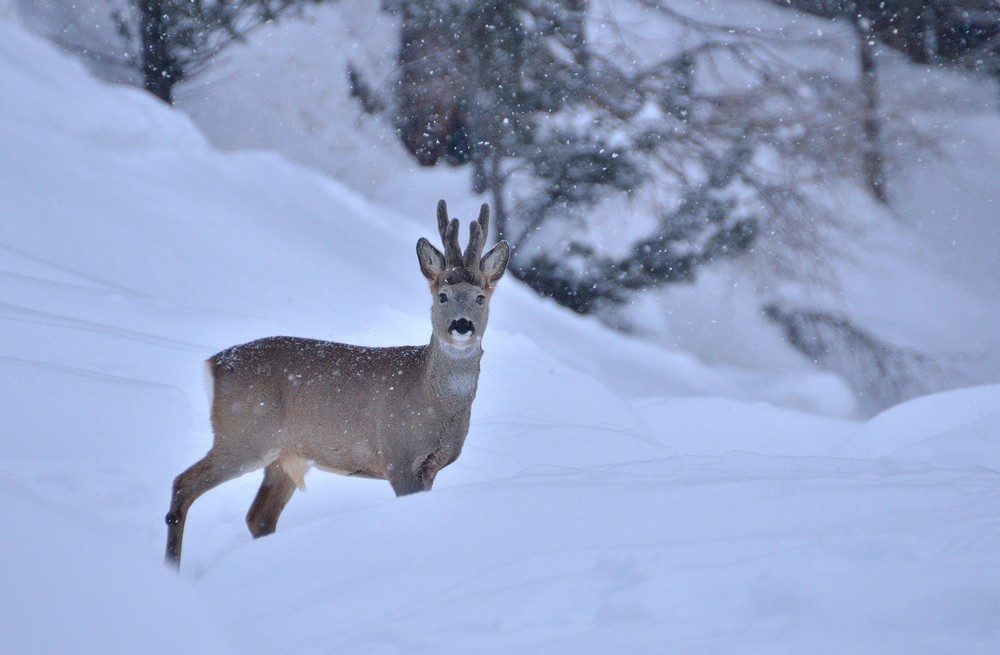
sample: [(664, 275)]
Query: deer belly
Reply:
[(358, 458)]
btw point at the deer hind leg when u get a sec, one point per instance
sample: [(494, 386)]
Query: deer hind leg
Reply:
[(275, 492), (201, 476)]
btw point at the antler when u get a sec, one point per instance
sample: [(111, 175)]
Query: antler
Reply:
[(449, 237), (477, 239), (443, 219)]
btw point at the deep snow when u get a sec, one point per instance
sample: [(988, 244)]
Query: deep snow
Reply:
[(612, 495)]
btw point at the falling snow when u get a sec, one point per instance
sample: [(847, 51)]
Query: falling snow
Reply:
[(614, 495)]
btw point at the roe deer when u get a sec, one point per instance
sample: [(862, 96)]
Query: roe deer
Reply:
[(400, 414)]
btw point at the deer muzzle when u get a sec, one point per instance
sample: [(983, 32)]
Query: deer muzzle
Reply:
[(461, 329)]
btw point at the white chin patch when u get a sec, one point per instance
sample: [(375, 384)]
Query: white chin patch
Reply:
[(461, 338), (460, 345)]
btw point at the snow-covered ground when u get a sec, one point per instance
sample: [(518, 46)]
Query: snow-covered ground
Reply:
[(612, 495)]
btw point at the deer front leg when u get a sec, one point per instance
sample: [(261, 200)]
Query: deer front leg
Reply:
[(420, 476), (275, 492), (407, 483)]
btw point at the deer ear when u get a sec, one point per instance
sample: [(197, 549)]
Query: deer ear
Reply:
[(494, 263), (431, 259)]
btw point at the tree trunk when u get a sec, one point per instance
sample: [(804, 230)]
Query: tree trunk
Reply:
[(873, 164), (926, 37), (158, 74), (495, 184)]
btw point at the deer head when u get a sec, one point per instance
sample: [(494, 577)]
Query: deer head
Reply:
[(461, 283)]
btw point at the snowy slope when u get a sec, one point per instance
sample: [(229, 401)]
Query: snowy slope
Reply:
[(612, 495)]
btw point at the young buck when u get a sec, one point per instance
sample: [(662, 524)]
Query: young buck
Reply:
[(400, 414)]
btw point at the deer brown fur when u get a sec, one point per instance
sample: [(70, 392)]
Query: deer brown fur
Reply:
[(400, 413)]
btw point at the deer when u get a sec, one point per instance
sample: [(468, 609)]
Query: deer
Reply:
[(400, 413)]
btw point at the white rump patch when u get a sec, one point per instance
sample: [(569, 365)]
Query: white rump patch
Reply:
[(209, 382)]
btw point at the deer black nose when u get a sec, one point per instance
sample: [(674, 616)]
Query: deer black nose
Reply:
[(462, 326)]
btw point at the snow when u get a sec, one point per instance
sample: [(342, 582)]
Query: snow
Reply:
[(613, 495), (71, 588)]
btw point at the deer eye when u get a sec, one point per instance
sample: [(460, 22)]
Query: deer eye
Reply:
[(480, 299), (443, 297)]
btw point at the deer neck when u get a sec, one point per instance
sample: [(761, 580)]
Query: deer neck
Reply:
[(453, 373)]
